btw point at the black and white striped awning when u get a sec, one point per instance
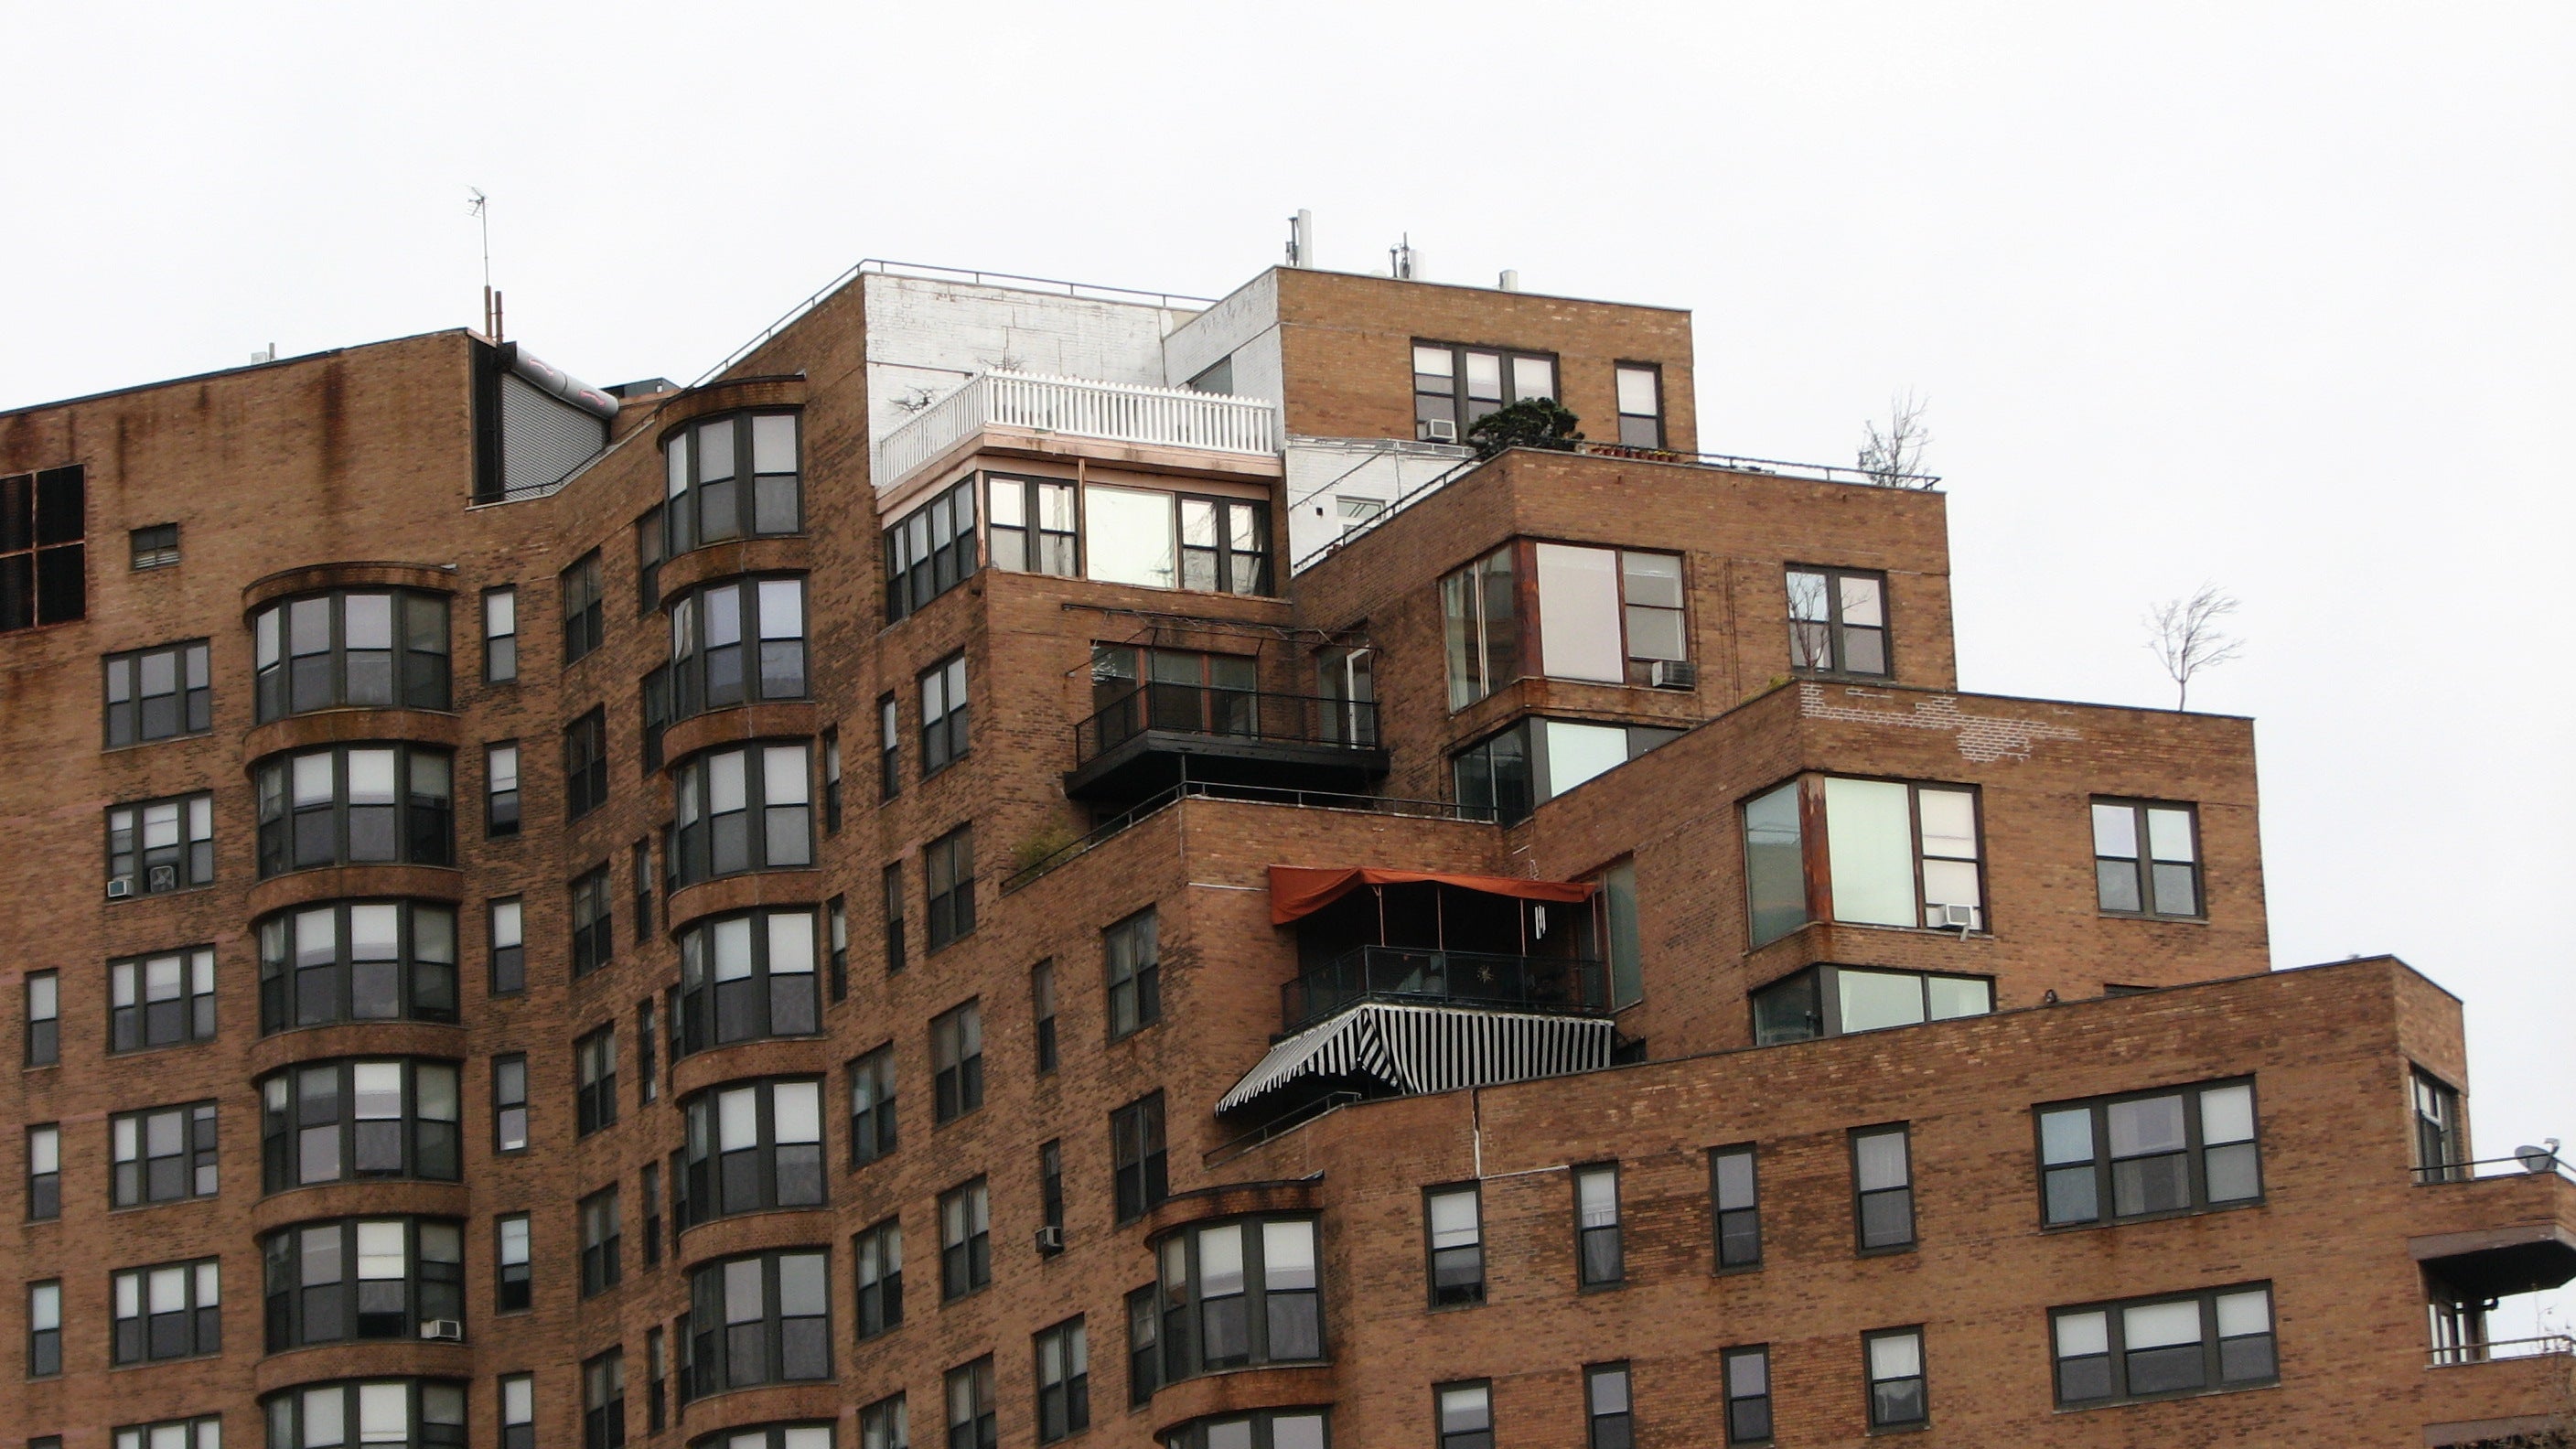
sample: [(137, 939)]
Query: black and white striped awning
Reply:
[(1415, 1049)]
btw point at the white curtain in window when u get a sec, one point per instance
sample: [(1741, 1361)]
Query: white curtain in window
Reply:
[(1577, 752), (1578, 614)]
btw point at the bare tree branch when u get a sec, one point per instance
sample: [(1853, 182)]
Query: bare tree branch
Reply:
[(2187, 636), (1894, 456)]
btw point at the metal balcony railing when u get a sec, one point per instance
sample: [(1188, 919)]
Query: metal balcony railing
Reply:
[(2540, 1163), (1468, 978), (1248, 715), (2503, 1348), (1119, 412)]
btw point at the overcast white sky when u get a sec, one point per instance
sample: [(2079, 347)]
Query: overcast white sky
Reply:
[(2274, 295)]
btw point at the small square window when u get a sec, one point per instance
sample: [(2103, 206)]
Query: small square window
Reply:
[(156, 547)]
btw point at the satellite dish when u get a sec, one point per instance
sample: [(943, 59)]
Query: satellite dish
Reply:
[(2543, 1158)]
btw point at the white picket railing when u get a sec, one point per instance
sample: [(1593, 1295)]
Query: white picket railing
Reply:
[(1122, 412)]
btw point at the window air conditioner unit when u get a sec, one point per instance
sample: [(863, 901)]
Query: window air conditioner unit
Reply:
[(1673, 674), (1439, 430), (164, 878), (1051, 1238), (1961, 918), (119, 887), (445, 1330)]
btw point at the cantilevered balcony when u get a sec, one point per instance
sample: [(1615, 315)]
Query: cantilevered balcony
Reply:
[(1156, 736), (1008, 402)]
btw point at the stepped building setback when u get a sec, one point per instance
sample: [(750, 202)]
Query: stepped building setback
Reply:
[(1031, 864)]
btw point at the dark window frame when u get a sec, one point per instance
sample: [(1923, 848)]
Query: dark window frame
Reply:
[(920, 567), (510, 1102), (968, 1390), (1445, 1285), (893, 903), (44, 1018), (1038, 548), (153, 546), (500, 802), (1131, 953), (966, 1239), (1862, 1196), (603, 1400), (337, 1309), (594, 1056), (718, 1343), (1744, 1217), (44, 543), (1607, 1426), (507, 960), (957, 1060), (122, 696), (1878, 1401), (1837, 633), (1253, 1315), (44, 1328), (1042, 1017), (710, 845), (889, 749), (948, 887), (44, 1184), (1466, 1435), (2118, 1364), (769, 998), (189, 856), (1600, 1249), (719, 1179), (426, 1148), (1454, 402), (131, 1180), (2104, 1168), (138, 1336), (876, 1267), (755, 666), (594, 917), (874, 1131), (419, 654), (585, 762), (1748, 1397), (699, 511), (282, 1411), (2441, 1135), (2146, 876), (513, 1268), (1652, 434), (1063, 1385), (945, 734), (501, 643), (583, 593), (137, 1020), (421, 815), (603, 1234), (1139, 1156)]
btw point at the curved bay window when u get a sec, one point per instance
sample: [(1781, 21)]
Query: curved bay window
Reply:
[(377, 1413), (760, 1319), (752, 1146), (354, 1120), (384, 1278), (746, 977), (747, 808), (769, 1436), (1239, 1293), (731, 477), (736, 643), (381, 648), (356, 805), (1267, 1429), (357, 961)]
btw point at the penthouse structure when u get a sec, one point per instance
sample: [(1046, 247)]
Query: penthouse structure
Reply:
[(1027, 864)]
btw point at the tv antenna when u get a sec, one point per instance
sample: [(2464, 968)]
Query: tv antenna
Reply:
[(479, 207)]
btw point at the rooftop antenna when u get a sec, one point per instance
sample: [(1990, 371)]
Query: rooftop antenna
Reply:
[(1400, 260), (478, 206), (1301, 239)]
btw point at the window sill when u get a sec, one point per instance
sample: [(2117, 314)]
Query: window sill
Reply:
[(2151, 916), (2097, 1405), (2206, 1210), (163, 740), (186, 890), (1896, 1250)]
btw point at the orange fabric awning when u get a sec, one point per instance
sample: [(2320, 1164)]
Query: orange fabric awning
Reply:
[(1302, 890)]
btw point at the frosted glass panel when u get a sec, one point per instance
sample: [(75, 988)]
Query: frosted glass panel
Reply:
[(1577, 752), (1869, 844), (1578, 614), (1873, 999)]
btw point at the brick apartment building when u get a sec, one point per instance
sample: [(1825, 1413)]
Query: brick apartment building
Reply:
[(788, 913)]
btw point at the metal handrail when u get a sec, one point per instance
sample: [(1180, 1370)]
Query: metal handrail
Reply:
[(1234, 1147), (2540, 1346), (1246, 714), (2489, 1169), (1724, 462), (1481, 978), (1248, 794)]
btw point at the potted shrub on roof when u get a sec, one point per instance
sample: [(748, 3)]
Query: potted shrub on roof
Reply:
[(1538, 422)]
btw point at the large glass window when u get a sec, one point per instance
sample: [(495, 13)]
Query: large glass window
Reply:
[(748, 976), (2146, 858), (1465, 1414), (1641, 405), (971, 1422), (760, 1319), (1894, 854), (737, 642), (1748, 1395), (1480, 608), (2441, 1147), (603, 1401), (1176, 540), (1064, 1380), (2152, 1348), (1838, 622), (357, 961), (747, 808), (885, 1424), (1883, 1188), (158, 694), (354, 1120), (363, 1278), (379, 648), (513, 1269), (500, 635), (161, 1000), (1453, 1219), (944, 735), (1828, 1000), (204, 1432), (1894, 1359), (1241, 1292), (594, 1057), (156, 846), (957, 1061), (872, 1119), (44, 575), (1505, 776), (585, 763), (1132, 951), (948, 875), (1607, 614), (878, 1252), (1610, 1420), (1736, 1207), (44, 1173), (1032, 526), (161, 1154), (930, 551), (1599, 1260), (965, 1239), (603, 1238), (1454, 386), (1262, 1429), (770, 1436), (45, 1018), (583, 595), (376, 1413), (734, 476), (170, 1310), (1139, 1159), (751, 1147), (2149, 1154), (355, 805)]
